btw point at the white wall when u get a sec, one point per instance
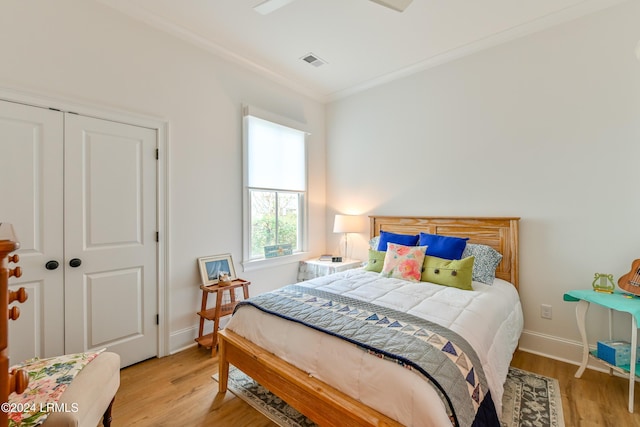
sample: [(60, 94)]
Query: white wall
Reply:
[(84, 52), (546, 127)]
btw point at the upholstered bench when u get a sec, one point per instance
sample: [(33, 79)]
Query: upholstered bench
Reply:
[(92, 392), (68, 391)]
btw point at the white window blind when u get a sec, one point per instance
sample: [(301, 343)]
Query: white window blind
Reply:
[(276, 156), (275, 184)]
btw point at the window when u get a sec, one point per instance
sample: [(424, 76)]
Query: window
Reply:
[(275, 176)]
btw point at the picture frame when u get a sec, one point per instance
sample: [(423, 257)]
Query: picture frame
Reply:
[(212, 266)]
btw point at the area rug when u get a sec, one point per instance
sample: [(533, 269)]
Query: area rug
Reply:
[(529, 400)]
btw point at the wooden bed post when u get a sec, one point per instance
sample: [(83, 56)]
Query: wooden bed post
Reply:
[(223, 363)]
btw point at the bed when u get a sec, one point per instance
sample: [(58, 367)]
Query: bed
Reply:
[(334, 382)]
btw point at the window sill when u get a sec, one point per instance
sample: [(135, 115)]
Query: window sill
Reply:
[(259, 264)]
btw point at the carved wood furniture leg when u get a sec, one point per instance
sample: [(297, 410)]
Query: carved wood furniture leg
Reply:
[(106, 418), (216, 322), (203, 307), (581, 317), (223, 366)]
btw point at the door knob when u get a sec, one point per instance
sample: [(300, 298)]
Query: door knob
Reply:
[(75, 262), (51, 265)]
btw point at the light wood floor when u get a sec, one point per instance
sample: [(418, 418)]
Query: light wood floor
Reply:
[(178, 391)]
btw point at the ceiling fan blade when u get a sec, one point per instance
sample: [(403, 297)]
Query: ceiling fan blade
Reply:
[(268, 6), (399, 5)]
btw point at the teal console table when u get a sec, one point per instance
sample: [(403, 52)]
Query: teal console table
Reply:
[(617, 301)]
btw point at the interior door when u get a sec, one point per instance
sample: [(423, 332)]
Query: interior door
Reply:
[(110, 241), (31, 169)]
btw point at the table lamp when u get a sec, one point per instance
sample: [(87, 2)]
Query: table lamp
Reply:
[(347, 224)]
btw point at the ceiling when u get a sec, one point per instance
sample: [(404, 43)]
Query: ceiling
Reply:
[(362, 43)]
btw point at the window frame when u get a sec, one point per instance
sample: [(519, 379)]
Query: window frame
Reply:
[(300, 209), (249, 263)]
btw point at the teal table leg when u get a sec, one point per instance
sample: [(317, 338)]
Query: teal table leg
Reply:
[(581, 317), (632, 373)]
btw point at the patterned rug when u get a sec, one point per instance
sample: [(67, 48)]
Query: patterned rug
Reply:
[(529, 400)]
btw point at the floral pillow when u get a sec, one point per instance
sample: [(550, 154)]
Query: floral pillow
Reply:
[(403, 262)]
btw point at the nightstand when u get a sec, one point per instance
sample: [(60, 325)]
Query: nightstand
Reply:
[(221, 309), (312, 268)]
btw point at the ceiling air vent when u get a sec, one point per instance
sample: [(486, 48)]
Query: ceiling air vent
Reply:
[(313, 60)]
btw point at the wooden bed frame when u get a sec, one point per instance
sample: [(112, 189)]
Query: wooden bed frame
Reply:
[(320, 402)]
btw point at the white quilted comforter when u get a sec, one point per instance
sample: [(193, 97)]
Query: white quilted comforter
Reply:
[(489, 318)]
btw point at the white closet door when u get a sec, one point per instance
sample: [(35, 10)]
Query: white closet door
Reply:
[(110, 226), (31, 172)]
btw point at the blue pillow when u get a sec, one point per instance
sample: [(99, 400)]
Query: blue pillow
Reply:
[(400, 239), (446, 247)]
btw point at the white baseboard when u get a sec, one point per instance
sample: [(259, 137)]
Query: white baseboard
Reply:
[(185, 338), (556, 348), (182, 339)]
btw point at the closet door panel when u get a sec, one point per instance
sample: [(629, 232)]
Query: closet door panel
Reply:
[(31, 166), (110, 223)]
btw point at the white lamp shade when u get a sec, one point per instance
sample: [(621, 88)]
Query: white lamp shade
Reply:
[(347, 224)]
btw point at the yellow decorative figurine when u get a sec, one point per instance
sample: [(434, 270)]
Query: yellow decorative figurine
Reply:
[(603, 283)]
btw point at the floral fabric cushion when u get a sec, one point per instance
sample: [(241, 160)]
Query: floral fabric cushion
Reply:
[(48, 379), (403, 262), (487, 260), (376, 261)]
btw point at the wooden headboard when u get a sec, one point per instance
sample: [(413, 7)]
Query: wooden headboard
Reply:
[(499, 233)]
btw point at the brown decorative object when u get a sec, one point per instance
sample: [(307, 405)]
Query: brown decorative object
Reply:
[(321, 402), (20, 295), (14, 313), (630, 282), (17, 380), (211, 267), (224, 280)]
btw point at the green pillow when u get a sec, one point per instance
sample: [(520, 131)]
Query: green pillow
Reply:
[(376, 261), (457, 273)]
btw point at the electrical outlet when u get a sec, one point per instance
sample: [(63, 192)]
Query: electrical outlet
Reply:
[(545, 311)]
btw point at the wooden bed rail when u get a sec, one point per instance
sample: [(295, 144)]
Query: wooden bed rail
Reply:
[(321, 403)]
